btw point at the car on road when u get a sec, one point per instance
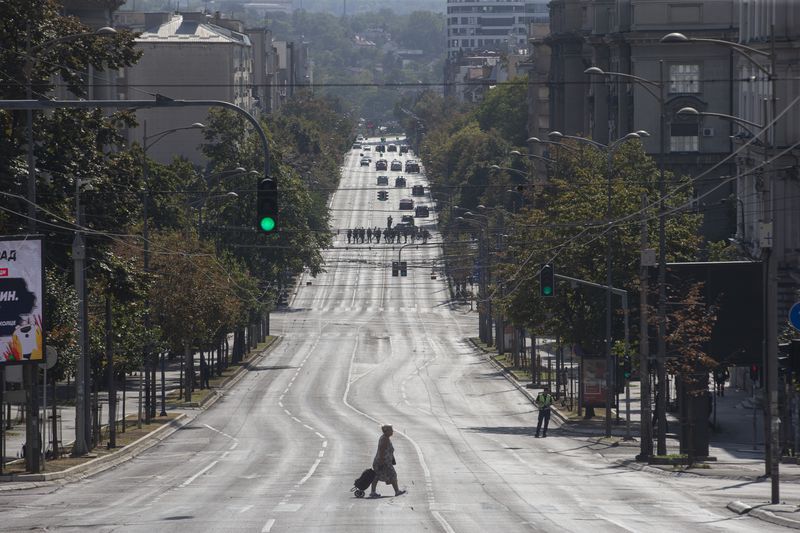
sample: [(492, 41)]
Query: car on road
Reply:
[(397, 165), (356, 146), (412, 166), (421, 211), (399, 181), (381, 164), (407, 219), (383, 180), (418, 190), (404, 149), (406, 204), (367, 149), (381, 148), (365, 161), (391, 148)]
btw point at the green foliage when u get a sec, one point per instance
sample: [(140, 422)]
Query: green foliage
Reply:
[(505, 109), (60, 319)]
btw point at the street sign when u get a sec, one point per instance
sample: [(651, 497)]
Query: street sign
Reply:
[(794, 316)]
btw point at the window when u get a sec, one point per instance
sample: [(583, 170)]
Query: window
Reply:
[(684, 79), (684, 137)]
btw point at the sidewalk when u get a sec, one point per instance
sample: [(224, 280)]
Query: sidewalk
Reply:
[(737, 447), (133, 441)]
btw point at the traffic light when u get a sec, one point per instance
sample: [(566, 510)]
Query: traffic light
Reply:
[(547, 281), (267, 205), (627, 367), (403, 268), (395, 268), (754, 372)]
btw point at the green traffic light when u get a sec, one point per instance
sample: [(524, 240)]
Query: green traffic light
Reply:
[(267, 223), (547, 291)]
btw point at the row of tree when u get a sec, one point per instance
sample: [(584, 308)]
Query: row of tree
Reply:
[(210, 271), (530, 206)]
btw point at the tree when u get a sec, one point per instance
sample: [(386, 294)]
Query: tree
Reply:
[(564, 223)]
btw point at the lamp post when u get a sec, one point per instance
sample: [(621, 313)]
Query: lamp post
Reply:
[(770, 262), (148, 141), (609, 150), (656, 90), (27, 69), (484, 311)]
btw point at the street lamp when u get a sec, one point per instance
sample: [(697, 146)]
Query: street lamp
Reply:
[(27, 70), (770, 260), (148, 141), (484, 311), (656, 90), (609, 150)]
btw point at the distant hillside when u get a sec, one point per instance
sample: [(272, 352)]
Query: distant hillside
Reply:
[(362, 6)]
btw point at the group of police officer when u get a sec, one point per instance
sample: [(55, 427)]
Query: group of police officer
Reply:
[(391, 235)]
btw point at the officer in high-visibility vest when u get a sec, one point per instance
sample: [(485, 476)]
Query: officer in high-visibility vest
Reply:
[(543, 401)]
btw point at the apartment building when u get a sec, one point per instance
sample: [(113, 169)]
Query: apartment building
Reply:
[(738, 196), (187, 56), (479, 29)]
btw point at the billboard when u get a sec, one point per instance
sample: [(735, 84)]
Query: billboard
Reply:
[(593, 380), (21, 300), (736, 288)]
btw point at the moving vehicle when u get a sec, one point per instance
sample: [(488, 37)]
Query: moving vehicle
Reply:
[(383, 180), (391, 148), (418, 190), (397, 165), (365, 161), (406, 204), (407, 219), (399, 181), (381, 164), (381, 148), (356, 146), (404, 149), (421, 211)]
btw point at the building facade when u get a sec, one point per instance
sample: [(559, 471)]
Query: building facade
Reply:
[(478, 25)]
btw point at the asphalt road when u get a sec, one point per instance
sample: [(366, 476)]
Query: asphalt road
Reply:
[(360, 348)]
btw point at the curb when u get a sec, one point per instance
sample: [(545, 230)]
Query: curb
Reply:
[(768, 516), (100, 464), (513, 380)]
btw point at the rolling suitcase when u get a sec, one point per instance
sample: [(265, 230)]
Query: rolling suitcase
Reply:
[(360, 485)]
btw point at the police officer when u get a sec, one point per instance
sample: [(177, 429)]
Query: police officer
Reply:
[(349, 235), (544, 401)]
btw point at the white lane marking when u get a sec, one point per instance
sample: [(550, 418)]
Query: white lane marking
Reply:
[(287, 412), (310, 472), (616, 523), (220, 432), (324, 443), (321, 453), (197, 475), (280, 404), (268, 526), (308, 427), (297, 420), (246, 508), (320, 435), (224, 455), (234, 445), (442, 522)]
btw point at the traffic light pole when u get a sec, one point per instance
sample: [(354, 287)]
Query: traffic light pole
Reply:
[(623, 294)]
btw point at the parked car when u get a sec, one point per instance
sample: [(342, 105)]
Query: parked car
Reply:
[(406, 204), (383, 180), (399, 181), (365, 161), (412, 166), (418, 190), (397, 165), (381, 164)]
